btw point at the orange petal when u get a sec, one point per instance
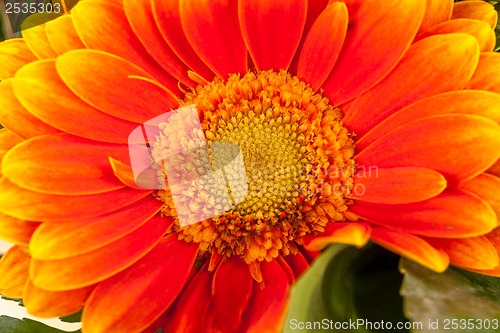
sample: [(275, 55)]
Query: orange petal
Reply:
[(486, 187), (397, 185), (97, 265), (267, 309), (140, 16), (63, 164), (453, 56), (47, 304), (16, 118), (132, 97), (104, 26), (151, 285), (475, 102), (42, 92), (62, 35), (494, 238), (124, 173), (452, 214), (495, 169), (15, 230), (357, 234), (14, 268), (231, 290), (167, 16), (317, 58), (374, 44), (458, 146), (35, 37), (14, 54), (411, 247), (468, 253), (477, 10), (487, 74), (436, 11), (62, 240), (211, 28), (29, 205), (8, 140), (483, 33), (272, 42), (193, 301)]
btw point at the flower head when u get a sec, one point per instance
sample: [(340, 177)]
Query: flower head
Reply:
[(356, 120)]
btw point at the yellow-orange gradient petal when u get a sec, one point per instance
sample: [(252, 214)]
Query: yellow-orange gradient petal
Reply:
[(486, 187), (16, 118), (42, 92), (494, 238), (452, 214), (411, 247), (419, 74), (469, 253), (14, 54), (458, 146), (48, 304), (436, 11), (140, 16), (317, 58), (397, 185), (481, 30), (231, 291), (63, 164), (478, 10), (357, 234), (34, 206), (8, 140), (474, 102), (132, 98), (97, 265), (62, 240), (373, 46), (14, 268), (15, 230), (62, 35), (152, 285), (211, 28), (125, 174), (487, 74), (268, 305), (286, 20), (36, 37)]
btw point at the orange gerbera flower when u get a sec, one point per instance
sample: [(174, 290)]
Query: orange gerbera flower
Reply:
[(381, 116)]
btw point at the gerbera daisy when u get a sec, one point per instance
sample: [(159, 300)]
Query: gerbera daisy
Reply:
[(378, 118)]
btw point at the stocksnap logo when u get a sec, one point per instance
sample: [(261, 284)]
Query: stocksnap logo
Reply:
[(170, 152)]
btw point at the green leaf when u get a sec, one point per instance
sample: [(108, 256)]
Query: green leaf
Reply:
[(348, 290), (453, 301), (14, 325), (72, 318)]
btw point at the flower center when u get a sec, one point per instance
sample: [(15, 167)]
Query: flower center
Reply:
[(296, 159)]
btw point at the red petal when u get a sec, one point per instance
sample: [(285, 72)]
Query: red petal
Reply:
[(42, 92), (411, 247), (151, 286), (48, 304), (231, 290), (458, 146), (272, 30), (134, 95), (14, 268), (298, 263), (34, 206), (374, 44), (475, 102), (397, 185), (453, 56), (62, 240), (212, 30), (82, 165), (468, 253), (97, 265), (452, 214), (267, 308), (317, 58)]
